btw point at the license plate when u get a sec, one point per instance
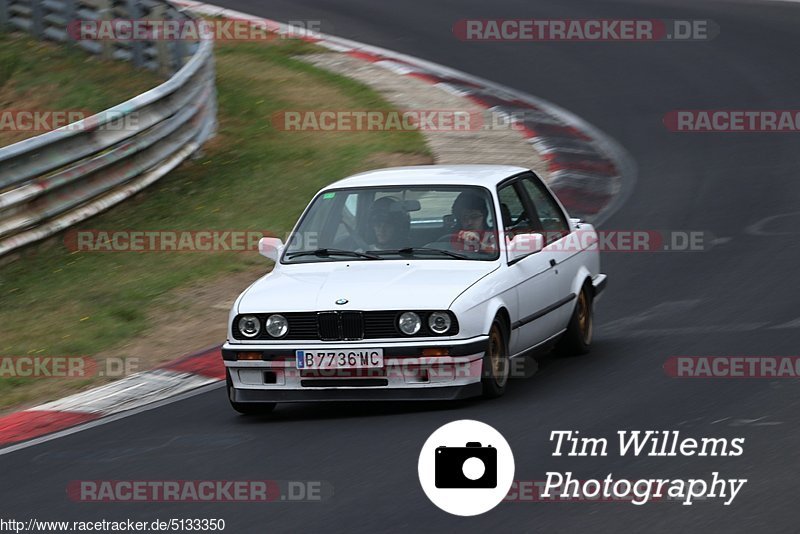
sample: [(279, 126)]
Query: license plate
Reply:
[(339, 359)]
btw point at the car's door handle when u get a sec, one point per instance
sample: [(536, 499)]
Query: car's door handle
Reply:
[(552, 262)]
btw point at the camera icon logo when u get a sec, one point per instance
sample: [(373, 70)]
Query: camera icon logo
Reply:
[(466, 467), (472, 466)]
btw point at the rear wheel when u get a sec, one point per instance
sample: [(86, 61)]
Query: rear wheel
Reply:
[(247, 408), (495, 361), (578, 337)]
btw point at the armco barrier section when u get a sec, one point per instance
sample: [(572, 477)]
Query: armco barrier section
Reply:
[(54, 180)]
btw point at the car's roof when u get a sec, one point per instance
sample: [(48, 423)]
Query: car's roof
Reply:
[(486, 175)]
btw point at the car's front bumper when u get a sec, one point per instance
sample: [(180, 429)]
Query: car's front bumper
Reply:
[(407, 374)]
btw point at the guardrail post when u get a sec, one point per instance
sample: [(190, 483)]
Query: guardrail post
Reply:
[(3, 14), (137, 47), (159, 13), (37, 18), (179, 46), (104, 10), (69, 12)]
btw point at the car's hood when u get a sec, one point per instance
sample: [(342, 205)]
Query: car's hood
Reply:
[(367, 285)]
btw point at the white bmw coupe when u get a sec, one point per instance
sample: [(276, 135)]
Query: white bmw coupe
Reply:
[(414, 283)]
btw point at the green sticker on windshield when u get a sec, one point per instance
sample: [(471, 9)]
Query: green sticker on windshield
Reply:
[(328, 195)]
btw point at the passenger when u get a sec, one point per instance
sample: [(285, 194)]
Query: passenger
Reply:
[(472, 229)]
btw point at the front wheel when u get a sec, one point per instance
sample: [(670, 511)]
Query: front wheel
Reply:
[(247, 408), (578, 337), (495, 361)]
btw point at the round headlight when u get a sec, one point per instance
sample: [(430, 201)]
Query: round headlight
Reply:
[(277, 325), (439, 322), (409, 323), (249, 326)]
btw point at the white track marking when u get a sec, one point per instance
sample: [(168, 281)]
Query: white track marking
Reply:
[(757, 228), (129, 393), (664, 309), (790, 324)]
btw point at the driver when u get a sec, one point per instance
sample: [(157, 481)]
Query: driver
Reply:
[(388, 224)]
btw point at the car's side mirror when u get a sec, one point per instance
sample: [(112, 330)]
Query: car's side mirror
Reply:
[(270, 247), (523, 244)]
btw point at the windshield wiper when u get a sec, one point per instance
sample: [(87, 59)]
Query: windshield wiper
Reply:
[(325, 252), (413, 250)]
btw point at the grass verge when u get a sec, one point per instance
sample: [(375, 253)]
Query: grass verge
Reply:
[(250, 177), (38, 76)]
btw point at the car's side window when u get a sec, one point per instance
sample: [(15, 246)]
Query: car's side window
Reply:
[(515, 217), (552, 219)]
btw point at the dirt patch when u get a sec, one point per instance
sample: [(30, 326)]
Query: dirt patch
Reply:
[(190, 319)]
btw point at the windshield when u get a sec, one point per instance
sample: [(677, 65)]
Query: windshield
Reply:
[(380, 223)]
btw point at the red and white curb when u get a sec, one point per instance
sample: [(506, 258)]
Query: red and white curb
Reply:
[(590, 172), (128, 394)]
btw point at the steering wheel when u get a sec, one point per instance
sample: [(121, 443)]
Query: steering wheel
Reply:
[(362, 244)]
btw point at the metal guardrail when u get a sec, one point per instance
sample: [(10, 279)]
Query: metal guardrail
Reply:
[(57, 179)]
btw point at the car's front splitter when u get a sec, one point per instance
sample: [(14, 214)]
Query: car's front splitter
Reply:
[(245, 396)]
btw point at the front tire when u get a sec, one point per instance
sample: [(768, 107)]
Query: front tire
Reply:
[(247, 408), (495, 361), (577, 339)]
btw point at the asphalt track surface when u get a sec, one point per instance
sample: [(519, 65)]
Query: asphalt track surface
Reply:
[(737, 298)]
